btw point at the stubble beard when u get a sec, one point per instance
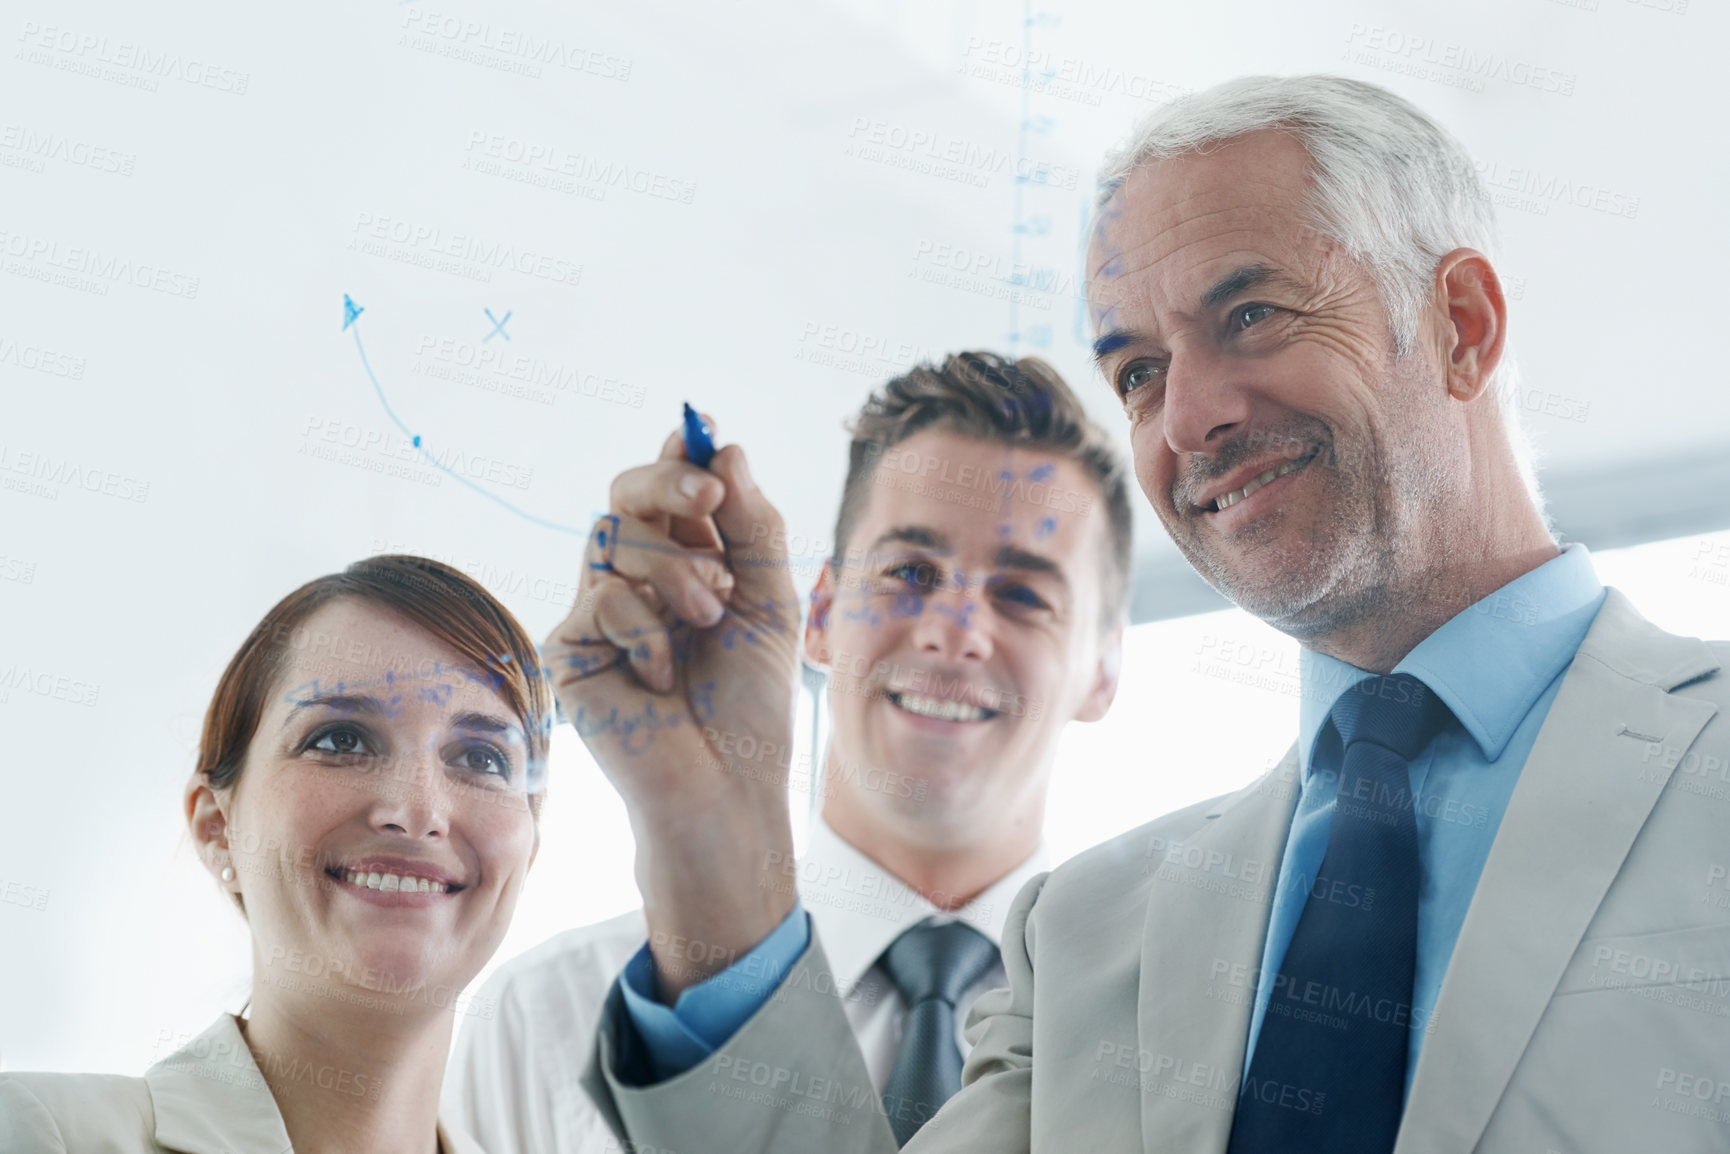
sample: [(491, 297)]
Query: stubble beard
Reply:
[(1347, 568)]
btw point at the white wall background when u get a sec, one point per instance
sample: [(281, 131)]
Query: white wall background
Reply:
[(188, 190)]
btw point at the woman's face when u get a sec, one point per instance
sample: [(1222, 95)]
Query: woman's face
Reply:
[(380, 830)]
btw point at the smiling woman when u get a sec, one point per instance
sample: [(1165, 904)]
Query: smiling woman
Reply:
[(366, 792)]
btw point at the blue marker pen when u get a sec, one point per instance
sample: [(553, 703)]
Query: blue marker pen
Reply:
[(699, 442)]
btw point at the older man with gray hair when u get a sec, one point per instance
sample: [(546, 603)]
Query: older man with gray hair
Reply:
[(1473, 909)]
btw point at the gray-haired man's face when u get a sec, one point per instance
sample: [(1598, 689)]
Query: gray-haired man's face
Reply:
[(1289, 455)]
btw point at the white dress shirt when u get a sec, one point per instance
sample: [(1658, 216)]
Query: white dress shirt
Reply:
[(514, 1077)]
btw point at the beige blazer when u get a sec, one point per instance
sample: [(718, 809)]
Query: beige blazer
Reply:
[(208, 1097), (1586, 1008)]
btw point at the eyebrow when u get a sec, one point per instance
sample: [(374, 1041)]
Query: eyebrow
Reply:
[(1111, 342), (1242, 279), (915, 535), (344, 702), (1011, 557), (485, 723)]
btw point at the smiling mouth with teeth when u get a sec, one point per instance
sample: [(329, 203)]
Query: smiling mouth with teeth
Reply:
[(942, 710), (389, 883), (1227, 500)]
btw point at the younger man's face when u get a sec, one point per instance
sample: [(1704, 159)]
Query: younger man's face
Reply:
[(963, 630)]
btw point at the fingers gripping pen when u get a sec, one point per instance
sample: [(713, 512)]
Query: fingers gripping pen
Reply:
[(699, 441), (699, 444)]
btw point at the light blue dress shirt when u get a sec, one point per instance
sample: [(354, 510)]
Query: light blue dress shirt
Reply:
[(1498, 665), (678, 1037)]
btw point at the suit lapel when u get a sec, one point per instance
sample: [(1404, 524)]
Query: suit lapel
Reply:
[(1582, 797), (210, 1098), (1206, 920)]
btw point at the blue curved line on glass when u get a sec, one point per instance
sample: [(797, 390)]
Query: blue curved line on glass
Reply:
[(434, 461)]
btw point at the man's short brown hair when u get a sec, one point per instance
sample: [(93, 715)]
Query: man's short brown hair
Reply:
[(1022, 403)]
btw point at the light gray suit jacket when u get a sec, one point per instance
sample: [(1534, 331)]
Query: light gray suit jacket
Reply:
[(1586, 1007), (208, 1097)]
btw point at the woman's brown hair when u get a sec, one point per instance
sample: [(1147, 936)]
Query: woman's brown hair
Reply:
[(445, 602)]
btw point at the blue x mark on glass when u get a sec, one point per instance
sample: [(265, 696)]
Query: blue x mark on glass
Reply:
[(498, 326)]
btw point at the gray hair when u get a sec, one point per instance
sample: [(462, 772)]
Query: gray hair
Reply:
[(1390, 186)]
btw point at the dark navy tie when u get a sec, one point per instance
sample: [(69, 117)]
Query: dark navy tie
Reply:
[(1329, 1068), (932, 966)]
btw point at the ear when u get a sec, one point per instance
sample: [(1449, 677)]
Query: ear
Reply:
[(1103, 691), (207, 818), (817, 620), (1477, 322)]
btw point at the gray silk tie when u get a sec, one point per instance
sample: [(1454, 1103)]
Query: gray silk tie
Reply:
[(932, 966)]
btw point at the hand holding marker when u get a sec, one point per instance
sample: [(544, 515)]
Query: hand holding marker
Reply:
[(683, 644)]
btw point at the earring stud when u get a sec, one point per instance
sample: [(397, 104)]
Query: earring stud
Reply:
[(227, 873)]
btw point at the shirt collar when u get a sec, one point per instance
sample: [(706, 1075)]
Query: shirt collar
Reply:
[(860, 907), (1490, 663)]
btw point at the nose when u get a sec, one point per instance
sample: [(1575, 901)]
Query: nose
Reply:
[(414, 800), (950, 627), (1205, 400)]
